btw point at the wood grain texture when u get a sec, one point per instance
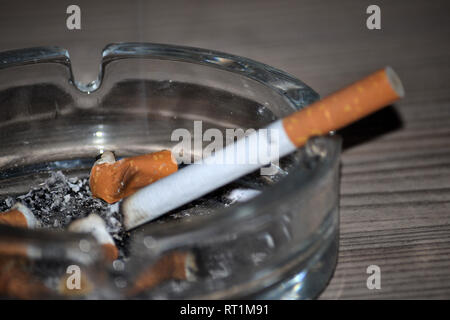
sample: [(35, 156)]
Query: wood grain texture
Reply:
[(395, 190)]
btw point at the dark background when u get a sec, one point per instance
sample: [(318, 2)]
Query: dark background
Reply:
[(395, 190)]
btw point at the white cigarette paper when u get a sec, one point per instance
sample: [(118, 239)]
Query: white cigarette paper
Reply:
[(94, 225), (29, 216)]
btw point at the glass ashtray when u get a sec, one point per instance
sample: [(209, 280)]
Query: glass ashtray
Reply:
[(279, 243)]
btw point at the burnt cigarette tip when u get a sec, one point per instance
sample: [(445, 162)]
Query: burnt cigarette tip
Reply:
[(105, 157), (132, 216), (395, 82)]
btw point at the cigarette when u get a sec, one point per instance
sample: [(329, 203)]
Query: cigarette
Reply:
[(22, 217), (19, 216), (331, 113), (113, 180), (15, 279), (95, 225), (176, 265), (17, 282)]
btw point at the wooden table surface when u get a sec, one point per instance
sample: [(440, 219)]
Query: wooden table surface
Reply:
[(395, 189)]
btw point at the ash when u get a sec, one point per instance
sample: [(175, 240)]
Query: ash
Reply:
[(60, 200)]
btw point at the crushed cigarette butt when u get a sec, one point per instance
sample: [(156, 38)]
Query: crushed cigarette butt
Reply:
[(112, 180), (17, 282), (19, 216), (176, 265), (95, 225)]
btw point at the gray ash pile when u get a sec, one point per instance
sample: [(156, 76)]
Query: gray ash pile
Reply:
[(60, 200)]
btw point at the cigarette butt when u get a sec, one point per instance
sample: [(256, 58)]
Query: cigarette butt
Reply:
[(19, 216), (344, 106), (110, 251), (13, 249), (95, 225), (286, 135), (176, 265), (17, 282), (112, 180)]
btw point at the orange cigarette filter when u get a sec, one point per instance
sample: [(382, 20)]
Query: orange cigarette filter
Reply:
[(18, 216), (112, 180), (14, 218), (15, 279), (110, 251), (177, 265), (17, 282), (345, 106)]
